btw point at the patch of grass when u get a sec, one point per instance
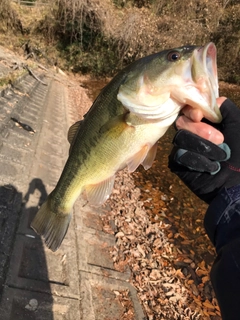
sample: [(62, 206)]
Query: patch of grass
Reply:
[(10, 78), (9, 18), (99, 60), (227, 39)]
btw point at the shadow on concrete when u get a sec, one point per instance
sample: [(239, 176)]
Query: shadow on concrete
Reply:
[(36, 185), (10, 206), (25, 285)]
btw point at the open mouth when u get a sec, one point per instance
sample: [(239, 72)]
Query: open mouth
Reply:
[(208, 56), (203, 87)]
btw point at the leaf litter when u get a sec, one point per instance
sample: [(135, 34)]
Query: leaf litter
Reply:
[(168, 267)]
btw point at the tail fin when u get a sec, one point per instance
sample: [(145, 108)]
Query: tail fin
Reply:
[(52, 226)]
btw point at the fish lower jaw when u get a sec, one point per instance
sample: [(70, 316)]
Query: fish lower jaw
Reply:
[(157, 113), (157, 122), (201, 100), (209, 109), (166, 122)]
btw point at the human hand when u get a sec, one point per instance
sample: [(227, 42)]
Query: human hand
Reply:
[(191, 120), (204, 166)]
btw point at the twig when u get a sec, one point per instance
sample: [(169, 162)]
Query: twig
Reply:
[(34, 76), (42, 67), (31, 54)]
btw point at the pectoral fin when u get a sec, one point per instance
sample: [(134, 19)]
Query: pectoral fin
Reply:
[(117, 124), (97, 194), (148, 161)]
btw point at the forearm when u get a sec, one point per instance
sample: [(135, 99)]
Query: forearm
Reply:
[(222, 223)]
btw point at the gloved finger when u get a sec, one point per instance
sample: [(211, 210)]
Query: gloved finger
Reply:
[(220, 101), (196, 162), (230, 113), (191, 142)]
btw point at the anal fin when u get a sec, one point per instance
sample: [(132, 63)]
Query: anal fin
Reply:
[(97, 194)]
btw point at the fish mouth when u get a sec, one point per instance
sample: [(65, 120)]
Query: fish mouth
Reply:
[(160, 93), (208, 56), (205, 82)]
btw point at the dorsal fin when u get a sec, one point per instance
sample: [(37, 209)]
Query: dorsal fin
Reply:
[(72, 133), (73, 130)]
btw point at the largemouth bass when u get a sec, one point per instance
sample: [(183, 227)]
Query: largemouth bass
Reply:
[(122, 128)]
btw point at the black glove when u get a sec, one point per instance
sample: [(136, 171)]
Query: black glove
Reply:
[(203, 166)]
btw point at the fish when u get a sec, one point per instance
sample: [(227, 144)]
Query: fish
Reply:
[(123, 126)]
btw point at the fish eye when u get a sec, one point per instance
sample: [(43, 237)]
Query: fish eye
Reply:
[(173, 56)]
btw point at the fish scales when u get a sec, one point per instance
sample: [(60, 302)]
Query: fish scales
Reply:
[(85, 141)]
